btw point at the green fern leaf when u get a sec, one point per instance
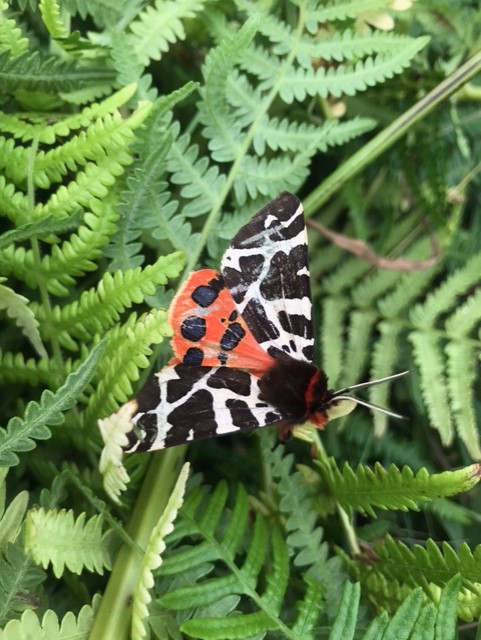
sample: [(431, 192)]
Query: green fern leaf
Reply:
[(225, 546), (461, 366), (126, 353), (430, 566), (29, 626), (11, 37), (47, 132), (50, 12), (202, 183), (152, 558), (446, 619), (56, 538), (304, 537), (345, 622), (107, 135), (393, 489), (345, 80), (129, 68), (356, 352), (20, 433), (157, 28), (144, 203), (220, 126), (18, 574), (99, 308), (12, 519), (28, 71), (309, 610), (267, 177), (334, 313), (17, 308), (73, 257), (343, 10), (383, 364), (424, 316), (291, 136), (428, 357), (14, 368), (41, 229)]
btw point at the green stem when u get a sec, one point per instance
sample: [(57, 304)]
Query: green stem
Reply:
[(392, 133), (346, 522), (113, 619)]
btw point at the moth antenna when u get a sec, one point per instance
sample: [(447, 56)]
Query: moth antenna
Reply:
[(371, 383), (372, 406)]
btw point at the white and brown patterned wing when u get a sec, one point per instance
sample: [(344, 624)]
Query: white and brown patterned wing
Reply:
[(183, 403), (267, 272)]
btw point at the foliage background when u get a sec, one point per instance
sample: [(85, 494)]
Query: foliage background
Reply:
[(136, 138)]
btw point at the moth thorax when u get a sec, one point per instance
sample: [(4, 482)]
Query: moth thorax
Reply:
[(297, 389)]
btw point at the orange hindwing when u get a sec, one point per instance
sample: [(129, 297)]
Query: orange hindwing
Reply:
[(208, 329)]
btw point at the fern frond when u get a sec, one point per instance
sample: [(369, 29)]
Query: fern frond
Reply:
[(152, 558), (202, 183), (11, 519), (20, 433), (299, 83), (465, 317), (107, 135), (114, 430), (361, 325), (144, 203), (11, 38), (340, 46), (73, 257), (29, 71), (16, 307), (15, 368), (50, 12), (428, 565), (47, 132), (56, 538), (391, 488), (292, 136), (126, 353), (98, 308), (429, 359), (342, 10), (41, 229), (29, 626), (225, 546), (91, 184), (220, 126), (345, 623), (304, 536), (424, 316), (384, 360), (266, 177), (461, 369), (17, 573), (129, 68), (155, 29), (14, 203)]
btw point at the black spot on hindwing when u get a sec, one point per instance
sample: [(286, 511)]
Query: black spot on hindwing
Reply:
[(193, 357), (193, 328), (205, 294), (232, 336)]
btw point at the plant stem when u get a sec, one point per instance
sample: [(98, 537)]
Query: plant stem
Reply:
[(386, 138), (113, 618)]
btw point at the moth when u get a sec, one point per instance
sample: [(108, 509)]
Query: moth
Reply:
[(243, 344)]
